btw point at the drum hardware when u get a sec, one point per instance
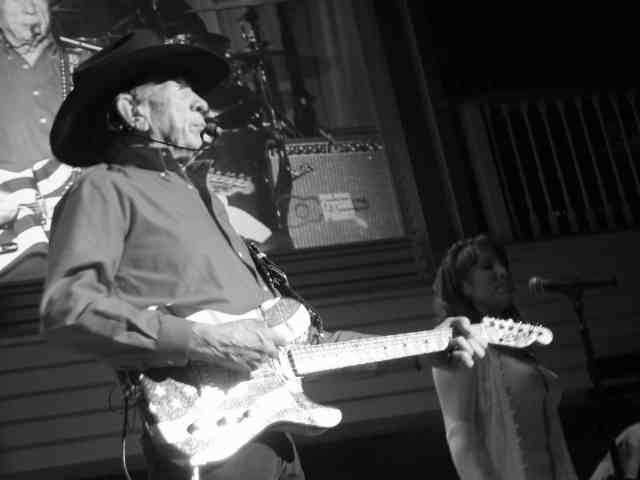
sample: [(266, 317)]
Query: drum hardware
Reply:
[(242, 114), (309, 64), (232, 4), (228, 94), (300, 171), (263, 75), (249, 144)]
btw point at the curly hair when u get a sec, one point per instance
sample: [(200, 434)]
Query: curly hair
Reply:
[(449, 298)]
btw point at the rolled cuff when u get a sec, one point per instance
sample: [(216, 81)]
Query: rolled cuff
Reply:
[(173, 339)]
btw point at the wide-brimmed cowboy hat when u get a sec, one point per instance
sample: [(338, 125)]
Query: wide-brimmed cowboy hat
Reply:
[(80, 133)]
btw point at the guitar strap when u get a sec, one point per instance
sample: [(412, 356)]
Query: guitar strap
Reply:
[(275, 277)]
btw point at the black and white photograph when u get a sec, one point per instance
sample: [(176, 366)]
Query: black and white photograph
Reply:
[(318, 239)]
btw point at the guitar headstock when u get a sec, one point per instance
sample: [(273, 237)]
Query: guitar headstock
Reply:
[(515, 334)]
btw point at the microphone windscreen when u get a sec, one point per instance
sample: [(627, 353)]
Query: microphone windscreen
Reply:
[(536, 285)]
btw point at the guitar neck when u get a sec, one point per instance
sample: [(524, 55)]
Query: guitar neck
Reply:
[(308, 359)]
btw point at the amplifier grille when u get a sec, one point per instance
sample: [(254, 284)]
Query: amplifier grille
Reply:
[(341, 193)]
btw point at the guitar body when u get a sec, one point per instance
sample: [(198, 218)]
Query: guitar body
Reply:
[(35, 192), (211, 421), (24, 240)]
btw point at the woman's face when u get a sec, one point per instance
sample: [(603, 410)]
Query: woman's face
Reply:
[(489, 285)]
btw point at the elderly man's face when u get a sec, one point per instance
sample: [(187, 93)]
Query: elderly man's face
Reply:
[(24, 22), (175, 113)]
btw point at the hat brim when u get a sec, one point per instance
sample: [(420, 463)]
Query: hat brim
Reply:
[(79, 133)]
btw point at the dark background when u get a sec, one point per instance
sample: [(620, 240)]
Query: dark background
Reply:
[(481, 48)]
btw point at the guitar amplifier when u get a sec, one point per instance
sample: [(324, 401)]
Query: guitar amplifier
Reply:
[(341, 192)]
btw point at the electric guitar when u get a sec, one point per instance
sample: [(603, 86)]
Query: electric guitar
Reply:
[(35, 193), (207, 413)]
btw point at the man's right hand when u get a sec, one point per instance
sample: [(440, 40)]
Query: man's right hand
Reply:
[(239, 345)]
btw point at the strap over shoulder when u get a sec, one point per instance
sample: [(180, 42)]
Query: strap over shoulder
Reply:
[(276, 278)]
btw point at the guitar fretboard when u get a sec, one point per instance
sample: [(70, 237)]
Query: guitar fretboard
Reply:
[(307, 359)]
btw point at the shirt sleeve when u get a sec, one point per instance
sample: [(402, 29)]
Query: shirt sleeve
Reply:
[(80, 306)]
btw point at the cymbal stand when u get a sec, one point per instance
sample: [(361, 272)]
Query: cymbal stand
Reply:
[(577, 301), (275, 120)]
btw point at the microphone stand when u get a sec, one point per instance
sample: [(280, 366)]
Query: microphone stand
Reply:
[(576, 297)]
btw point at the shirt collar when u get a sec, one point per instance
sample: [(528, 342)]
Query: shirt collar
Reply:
[(145, 157)]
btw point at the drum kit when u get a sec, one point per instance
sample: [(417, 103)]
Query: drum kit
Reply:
[(246, 164)]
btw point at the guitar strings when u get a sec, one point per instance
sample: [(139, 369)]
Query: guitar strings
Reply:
[(521, 330)]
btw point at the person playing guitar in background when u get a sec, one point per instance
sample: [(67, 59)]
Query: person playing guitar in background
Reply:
[(35, 72)]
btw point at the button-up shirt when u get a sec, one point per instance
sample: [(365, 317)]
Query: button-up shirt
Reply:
[(133, 251), (30, 97)]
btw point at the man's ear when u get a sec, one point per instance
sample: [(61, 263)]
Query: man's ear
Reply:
[(128, 109)]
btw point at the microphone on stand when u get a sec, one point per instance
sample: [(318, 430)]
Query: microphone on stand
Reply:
[(539, 285)]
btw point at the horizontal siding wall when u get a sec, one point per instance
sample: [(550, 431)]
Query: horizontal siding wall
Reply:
[(55, 410)]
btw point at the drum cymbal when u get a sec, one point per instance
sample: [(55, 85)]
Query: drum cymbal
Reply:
[(211, 41), (309, 64), (229, 4)]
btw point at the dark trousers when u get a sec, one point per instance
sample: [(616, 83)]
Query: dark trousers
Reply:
[(271, 456)]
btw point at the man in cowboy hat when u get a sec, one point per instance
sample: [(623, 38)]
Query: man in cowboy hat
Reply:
[(134, 249)]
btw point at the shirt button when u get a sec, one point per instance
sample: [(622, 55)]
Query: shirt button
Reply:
[(25, 66), (42, 120), (36, 93)]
